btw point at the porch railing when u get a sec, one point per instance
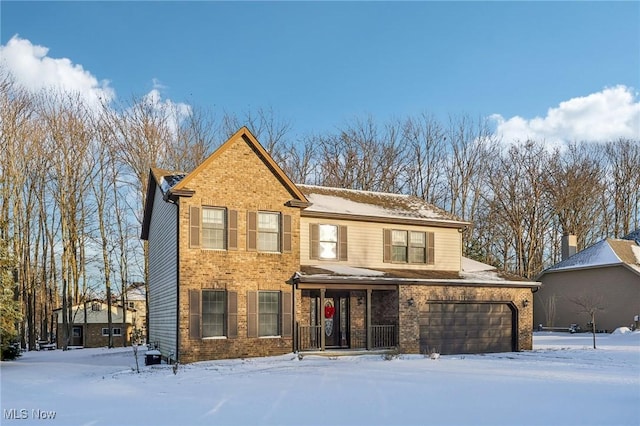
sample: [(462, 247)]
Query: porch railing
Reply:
[(382, 337), (309, 337)]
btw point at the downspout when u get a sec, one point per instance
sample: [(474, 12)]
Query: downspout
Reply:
[(172, 197), (173, 356), (295, 279), (177, 354)]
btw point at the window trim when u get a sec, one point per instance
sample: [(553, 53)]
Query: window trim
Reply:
[(341, 242), (278, 313), (335, 243), (224, 227), (230, 314), (224, 314), (277, 233), (428, 247)]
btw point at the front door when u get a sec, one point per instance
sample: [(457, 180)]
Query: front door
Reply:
[(76, 336), (336, 320)]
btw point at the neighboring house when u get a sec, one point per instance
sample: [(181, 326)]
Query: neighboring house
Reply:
[(95, 332), (136, 301), (243, 262), (605, 276)]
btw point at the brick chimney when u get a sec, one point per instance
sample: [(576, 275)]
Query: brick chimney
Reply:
[(569, 245)]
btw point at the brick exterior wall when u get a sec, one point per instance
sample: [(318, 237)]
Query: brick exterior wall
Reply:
[(239, 180), (93, 335)]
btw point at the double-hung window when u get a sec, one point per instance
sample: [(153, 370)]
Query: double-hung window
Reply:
[(398, 246), (268, 231), (213, 313), (417, 247), (403, 246), (268, 313), (213, 228), (328, 241)]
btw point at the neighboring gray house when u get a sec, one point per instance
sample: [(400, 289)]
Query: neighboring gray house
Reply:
[(605, 275)]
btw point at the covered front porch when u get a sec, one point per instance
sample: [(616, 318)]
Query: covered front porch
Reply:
[(346, 317)]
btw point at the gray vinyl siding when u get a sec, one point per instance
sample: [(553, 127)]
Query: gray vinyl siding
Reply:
[(614, 288), (163, 275)]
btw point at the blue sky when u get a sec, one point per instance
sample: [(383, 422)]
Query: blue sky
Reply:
[(318, 64)]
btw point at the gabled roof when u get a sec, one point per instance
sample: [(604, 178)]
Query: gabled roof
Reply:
[(374, 206), (605, 253), (251, 140), (175, 183), (158, 178)]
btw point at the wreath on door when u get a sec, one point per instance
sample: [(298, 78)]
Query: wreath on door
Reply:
[(329, 312)]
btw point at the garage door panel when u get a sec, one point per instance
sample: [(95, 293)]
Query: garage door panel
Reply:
[(454, 328)]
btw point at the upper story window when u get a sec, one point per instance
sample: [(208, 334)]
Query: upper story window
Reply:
[(327, 242), (417, 247), (398, 246), (402, 246), (213, 228), (268, 231)]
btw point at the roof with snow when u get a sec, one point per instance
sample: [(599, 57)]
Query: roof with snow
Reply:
[(608, 252), (634, 236), (367, 204), (472, 273)]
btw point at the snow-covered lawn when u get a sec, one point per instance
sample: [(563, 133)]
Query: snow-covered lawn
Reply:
[(561, 382)]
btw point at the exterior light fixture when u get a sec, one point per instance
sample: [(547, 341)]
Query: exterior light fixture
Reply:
[(410, 302), (525, 302)]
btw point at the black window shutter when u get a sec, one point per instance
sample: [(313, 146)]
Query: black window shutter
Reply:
[(252, 314), (286, 233), (387, 246), (314, 241), (232, 314), (232, 239), (194, 226), (287, 325), (194, 315), (431, 248), (342, 238), (252, 231)]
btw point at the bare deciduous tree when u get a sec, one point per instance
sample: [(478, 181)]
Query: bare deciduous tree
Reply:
[(589, 304)]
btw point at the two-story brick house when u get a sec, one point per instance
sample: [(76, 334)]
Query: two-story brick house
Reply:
[(243, 262)]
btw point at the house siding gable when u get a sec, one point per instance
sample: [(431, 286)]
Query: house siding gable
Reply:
[(163, 275)]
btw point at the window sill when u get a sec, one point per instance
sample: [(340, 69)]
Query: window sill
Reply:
[(215, 338), (270, 337)]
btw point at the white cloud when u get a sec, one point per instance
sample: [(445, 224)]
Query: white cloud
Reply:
[(174, 112), (599, 117), (36, 71)]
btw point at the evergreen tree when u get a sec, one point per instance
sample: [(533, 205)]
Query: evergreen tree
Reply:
[(10, 313)]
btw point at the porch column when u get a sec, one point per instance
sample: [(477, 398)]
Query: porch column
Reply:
[(322, 290), (369, 342)]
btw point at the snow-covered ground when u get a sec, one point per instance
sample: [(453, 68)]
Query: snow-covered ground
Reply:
[(563, 381)]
